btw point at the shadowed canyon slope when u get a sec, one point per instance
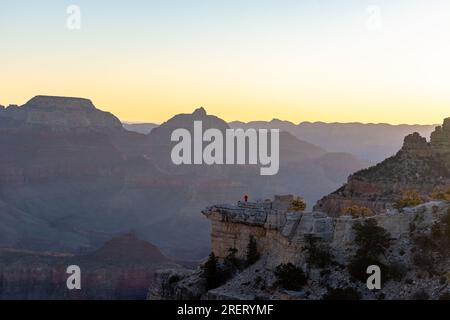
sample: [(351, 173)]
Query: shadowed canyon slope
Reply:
[(369, 142), (419, 166), (71, 178), (123, 268)]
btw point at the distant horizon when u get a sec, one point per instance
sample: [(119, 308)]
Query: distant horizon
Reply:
[(294, 123), (229, 121)]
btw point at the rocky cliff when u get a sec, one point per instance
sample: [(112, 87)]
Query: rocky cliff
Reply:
[(420, 166), (59, 114), (283, 237)]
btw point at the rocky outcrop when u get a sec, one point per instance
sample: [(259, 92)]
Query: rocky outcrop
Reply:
[(177, 284), (59, 114), (281, 233), (440, 142), (419, 165)]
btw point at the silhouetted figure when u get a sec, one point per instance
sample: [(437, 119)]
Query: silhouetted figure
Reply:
[(246, 198)]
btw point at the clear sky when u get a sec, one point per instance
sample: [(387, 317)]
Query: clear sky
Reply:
[(311, 60)]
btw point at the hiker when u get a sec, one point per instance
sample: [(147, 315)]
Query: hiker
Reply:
[(246, 198)]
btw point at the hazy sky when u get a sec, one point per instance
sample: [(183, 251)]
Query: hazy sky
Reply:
[(368, 61)]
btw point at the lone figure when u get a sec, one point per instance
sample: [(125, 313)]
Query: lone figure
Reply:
[(246, 198)]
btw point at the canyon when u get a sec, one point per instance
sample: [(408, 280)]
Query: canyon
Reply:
[(71, 178), (325, 245)]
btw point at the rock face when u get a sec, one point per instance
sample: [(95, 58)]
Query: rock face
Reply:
[(281, 233), (281, 237), (419, 165), (268, 222), (440, 142), (177, 284)]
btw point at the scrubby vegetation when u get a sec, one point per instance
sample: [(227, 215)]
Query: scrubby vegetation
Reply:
[(212, 273), (317, 254), (410, 198), (441, 194), (372, 241), (232, 263), (396, 271), (370, 238), (433, 246), (298, 205), (290, 277), (215, 273), (358, 211)]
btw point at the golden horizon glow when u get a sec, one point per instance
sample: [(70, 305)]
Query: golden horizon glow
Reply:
[(292, 63)]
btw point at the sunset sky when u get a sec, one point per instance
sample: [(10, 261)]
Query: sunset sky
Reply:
[(366, 61)]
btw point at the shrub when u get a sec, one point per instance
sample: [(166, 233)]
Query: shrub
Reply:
[(424, 261), (396, 271), (409, 198), (440, 194), (420, 295), (424, 243), (211, 272), (252, 251), (298, 205), (342, 294), (317, 254), (231, 262), (440, 237), (372, 240), (174, 279), (290, 277), (357, 211)]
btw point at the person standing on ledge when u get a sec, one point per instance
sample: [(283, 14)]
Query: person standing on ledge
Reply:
[(246, 198)]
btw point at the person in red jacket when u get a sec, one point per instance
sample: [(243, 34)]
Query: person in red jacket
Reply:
[(246, 198)]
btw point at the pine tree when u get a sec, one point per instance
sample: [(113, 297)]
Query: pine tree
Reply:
[(252, 251), (211, 272)]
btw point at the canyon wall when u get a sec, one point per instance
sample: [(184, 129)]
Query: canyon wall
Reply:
[(419, 166)]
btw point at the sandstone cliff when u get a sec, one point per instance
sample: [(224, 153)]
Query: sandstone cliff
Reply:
[(282, 237)]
